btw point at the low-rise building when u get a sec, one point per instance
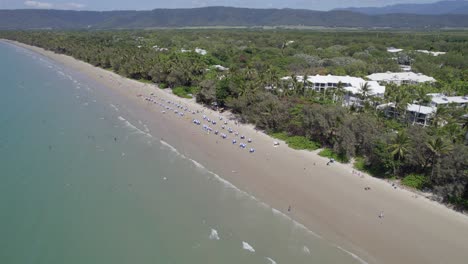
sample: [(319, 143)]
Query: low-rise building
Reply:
[(400, 78), (417, 114), (433, 53), (351, 84), (441, 100)]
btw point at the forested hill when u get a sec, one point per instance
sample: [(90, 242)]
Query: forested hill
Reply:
[(437, 8), (217, 16)]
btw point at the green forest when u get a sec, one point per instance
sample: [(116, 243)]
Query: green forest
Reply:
[(432, 158)]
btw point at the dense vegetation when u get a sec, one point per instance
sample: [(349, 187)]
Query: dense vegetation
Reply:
[(219, 16), (434, 157)]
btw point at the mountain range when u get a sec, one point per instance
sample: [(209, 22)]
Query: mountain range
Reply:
[(437, 8), (219, 16)]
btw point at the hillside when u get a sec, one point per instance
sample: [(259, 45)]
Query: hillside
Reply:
[(217, 16), (437, 8)]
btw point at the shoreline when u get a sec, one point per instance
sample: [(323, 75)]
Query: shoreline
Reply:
[(329, 200)]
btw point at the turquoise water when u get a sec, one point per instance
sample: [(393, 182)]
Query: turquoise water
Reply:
[(81, 183)]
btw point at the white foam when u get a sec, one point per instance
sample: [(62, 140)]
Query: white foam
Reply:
[(164, 143), (243, 193), (115, 107), (136, 129), (352, 255), (214, 234), (306, 250), (271, 260), (247, 247)]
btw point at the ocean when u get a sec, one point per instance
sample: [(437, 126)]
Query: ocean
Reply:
[(81, 181)]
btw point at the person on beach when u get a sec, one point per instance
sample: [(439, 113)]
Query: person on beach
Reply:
[(381, 215), (289, 208)]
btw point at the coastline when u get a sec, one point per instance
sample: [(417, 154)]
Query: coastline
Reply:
[(329, 200)]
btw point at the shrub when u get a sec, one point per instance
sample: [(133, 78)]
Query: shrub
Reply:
[(328, 153), (182, 91), (296, 142), (360, 164), (300, 142), (415, 181), (280, 135)]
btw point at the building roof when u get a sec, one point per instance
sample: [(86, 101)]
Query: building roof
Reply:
[(442, 99), (393, 50), (421, 109), (412, 108), (433, 53), (351, 84), (400, 76)]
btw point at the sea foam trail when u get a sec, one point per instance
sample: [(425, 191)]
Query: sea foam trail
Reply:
[(114, 107), (356, 257), (247, 247), (306, 250), (136, 129), (271, 260), (214, 234), (275, 211)]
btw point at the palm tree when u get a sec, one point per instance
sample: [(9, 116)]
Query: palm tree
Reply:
[(340, 91), (398, 149), (440, 116), (401, 102), (365, 90), (438, 146)]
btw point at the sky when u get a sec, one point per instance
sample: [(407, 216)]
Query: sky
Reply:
[(152, 4)]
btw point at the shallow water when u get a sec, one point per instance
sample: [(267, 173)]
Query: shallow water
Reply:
[(82, 182)]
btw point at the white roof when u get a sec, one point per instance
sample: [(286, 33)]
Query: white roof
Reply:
[(405, 68), (220, 68), (441, 99), (433, 53), (400, 76), (200, 51), (421, 109), (393, 50), (412, 108), (351, 84)]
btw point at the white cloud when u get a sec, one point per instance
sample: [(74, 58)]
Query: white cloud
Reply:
[(72, 6), (45, 5), (37, 4)]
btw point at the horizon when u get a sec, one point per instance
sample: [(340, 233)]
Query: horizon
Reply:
[(145, 5)]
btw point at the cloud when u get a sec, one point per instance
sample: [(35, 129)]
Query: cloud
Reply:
[(45, 5), (72, 6), (37, 4)]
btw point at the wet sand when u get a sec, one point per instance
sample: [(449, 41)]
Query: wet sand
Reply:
[(329, 200)]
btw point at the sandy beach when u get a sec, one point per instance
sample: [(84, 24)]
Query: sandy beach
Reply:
[(329, 200)]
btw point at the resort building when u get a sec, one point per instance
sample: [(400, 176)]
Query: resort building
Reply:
[(433, 53), (442, 100), (405, 68), (400, 78), (351, 84), (417, 114)]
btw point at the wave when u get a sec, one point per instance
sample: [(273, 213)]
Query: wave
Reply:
[(271, 260), (306, 250), (226, 183), (130, 125), (352, 255), (247, 247), (115, 107), (214, 235)]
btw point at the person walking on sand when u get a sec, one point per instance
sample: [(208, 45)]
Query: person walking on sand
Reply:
[(381, 215), (289, 208)]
